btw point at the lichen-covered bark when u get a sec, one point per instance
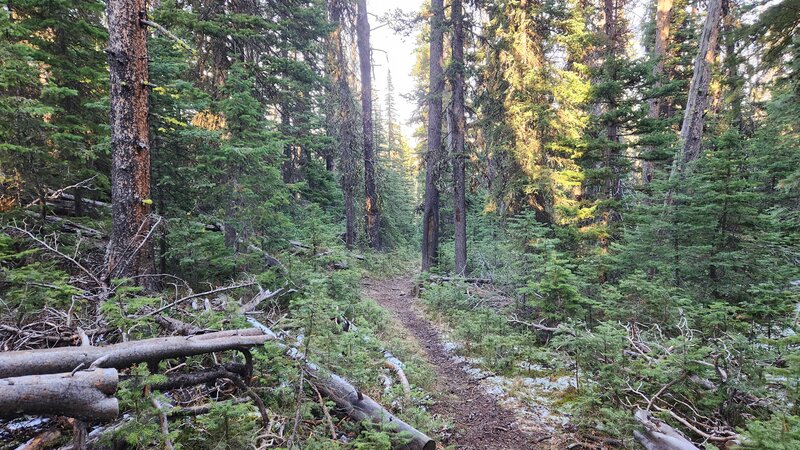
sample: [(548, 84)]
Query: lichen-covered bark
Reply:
[(129, 252)]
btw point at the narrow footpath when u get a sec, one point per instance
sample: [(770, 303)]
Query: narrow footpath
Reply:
[(479, 422)]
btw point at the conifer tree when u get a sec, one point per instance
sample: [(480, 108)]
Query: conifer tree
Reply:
[(458, 138), (371, 206), (430, 214)]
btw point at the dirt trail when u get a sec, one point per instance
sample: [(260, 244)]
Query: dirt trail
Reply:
[(480, 423)]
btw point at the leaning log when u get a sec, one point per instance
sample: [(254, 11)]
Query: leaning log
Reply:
[(358, 406), (348, 399), (657, 435), (86, 395), (126, 354)]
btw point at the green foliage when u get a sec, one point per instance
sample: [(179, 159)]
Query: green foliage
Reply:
[(30, 282), (778, 433)]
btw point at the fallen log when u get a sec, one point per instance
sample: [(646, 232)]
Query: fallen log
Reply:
[(359, 406), (657, 435), (84, 395), (461, 279), (44, 440), (350, 400), (66, 359)]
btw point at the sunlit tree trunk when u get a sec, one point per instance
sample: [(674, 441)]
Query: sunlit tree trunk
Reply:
[(459, 125), (130, 249), (430, 218), (372, 214), (663, 13), (343, 118), (694, 119)]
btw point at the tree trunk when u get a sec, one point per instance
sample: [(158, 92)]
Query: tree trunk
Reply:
[(459, 125), (430, 218), (694, 119), (85, 395), (663, 12), (370, 192), (130, 249), (344, 121), (125, 354), (615, 42)]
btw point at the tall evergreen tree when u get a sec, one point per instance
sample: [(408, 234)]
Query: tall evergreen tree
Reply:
[(430, 214), (458, 137), (371, 206)]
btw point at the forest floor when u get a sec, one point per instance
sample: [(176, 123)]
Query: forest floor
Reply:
[(479, 420)]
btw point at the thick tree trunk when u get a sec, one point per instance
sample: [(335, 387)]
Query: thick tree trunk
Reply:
[(85, 395), (459, 125), (694, 113), (130, 249), (372, 214), (119, 356), (344, 121), (663, 13), (430, 218)]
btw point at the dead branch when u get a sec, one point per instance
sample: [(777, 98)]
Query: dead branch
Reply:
[(698, 431), (396, 366), (350, 400), (201, 377), (201, 294), (52, 249), (537, 326), (163, 421), (166, 33), (327, 414), (260, 297)]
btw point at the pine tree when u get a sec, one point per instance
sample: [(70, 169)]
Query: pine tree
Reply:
[(458, 137), (371, 206), (430, 214), (53, 77)]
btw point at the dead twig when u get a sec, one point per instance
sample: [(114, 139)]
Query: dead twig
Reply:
[(201, 294)]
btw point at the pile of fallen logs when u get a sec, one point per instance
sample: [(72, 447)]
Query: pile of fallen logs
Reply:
[(80, 381)]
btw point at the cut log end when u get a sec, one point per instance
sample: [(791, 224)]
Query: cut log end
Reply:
[(84, 395)]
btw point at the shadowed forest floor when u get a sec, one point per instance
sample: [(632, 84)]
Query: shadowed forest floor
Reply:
[(479, 421)]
